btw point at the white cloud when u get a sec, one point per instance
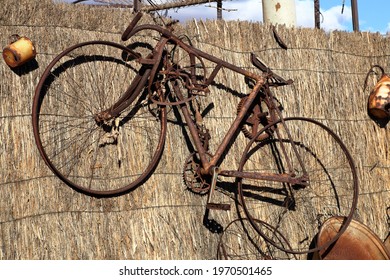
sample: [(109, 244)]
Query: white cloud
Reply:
[(333, 19), (188, 13), (250, 10), (305, 13), (330, 19)]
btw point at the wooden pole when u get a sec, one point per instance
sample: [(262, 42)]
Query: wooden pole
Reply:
[(137, 5), (317, 22), (355, 16), (219, 9)]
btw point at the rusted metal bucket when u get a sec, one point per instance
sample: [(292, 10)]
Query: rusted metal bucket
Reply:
[(379, 99), (358, 242), (19, 51)]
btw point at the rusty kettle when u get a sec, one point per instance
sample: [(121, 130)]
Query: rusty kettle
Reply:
[(379, 99)]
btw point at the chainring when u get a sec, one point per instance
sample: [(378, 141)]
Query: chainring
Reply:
[(193, 179)]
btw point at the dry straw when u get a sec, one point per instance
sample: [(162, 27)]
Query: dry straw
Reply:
[(41, 218)]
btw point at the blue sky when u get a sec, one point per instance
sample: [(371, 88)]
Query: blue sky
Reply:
[(373, 14)]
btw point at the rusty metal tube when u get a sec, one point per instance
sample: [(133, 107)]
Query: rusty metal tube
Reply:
[(283, 178)]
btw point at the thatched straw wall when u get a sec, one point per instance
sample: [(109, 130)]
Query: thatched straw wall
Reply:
[(41, 218)]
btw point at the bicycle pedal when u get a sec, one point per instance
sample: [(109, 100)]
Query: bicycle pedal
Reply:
[(218, 206)]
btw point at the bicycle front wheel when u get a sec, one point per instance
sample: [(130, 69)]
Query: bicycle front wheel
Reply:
[(299, 148), (94, 157)]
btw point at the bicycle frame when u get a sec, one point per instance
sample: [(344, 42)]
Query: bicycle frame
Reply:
[(151, 66), (208, 165)]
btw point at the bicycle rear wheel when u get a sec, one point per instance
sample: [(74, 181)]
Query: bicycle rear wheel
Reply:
[(297, 211), (94, 157)]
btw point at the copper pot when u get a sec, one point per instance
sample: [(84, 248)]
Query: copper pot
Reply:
[(19, 51), (379, 99), (387, 242), (358, 242)]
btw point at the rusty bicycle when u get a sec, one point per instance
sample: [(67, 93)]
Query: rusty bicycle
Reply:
[(100, 122)]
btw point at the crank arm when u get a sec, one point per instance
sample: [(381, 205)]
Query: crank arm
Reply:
[(215, 206)]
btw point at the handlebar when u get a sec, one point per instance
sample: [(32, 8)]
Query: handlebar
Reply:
[(133, 23), (274, 80)]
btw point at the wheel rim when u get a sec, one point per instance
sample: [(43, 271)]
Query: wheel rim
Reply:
[(93, 158), (322, 173)]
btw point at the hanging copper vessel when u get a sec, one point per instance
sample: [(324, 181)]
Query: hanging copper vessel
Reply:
[(19, 51), (379, 100)]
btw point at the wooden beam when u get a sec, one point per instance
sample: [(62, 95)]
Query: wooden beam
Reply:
[(171, 5)]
